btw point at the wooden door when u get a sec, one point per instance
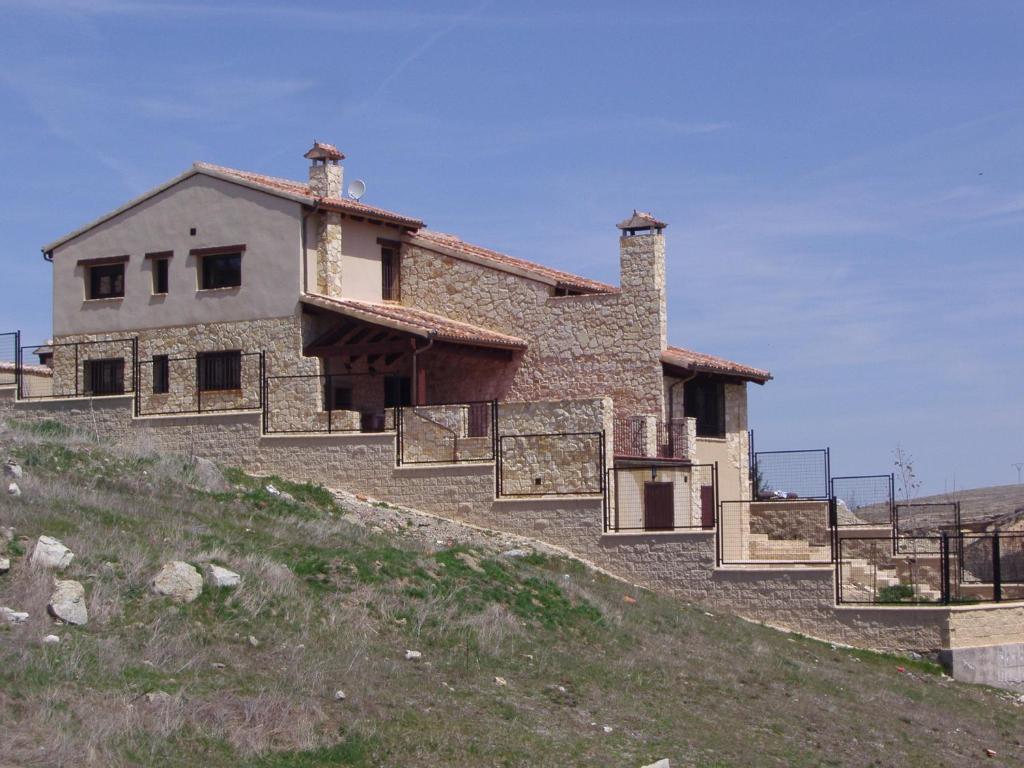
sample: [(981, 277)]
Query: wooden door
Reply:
[(658, 506), (707, 506)]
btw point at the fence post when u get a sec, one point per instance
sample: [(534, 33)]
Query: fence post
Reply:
[(330, 403), (199, 388), (17, 365), (398, 435), (997, 571), (53, 349), (828, 469), (944, 554), (837, 559)]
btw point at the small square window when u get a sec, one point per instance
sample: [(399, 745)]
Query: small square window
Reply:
[(161, 375), (106, 281), (223, 270), (219, 370), (104, 377), (160, 272)]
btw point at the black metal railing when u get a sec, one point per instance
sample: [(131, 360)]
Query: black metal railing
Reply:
[(10, 345), (753, 533), (98, 368), (200, 383), (864, 500), (551, 464), (325, 403), (921, 520), (944, 568), (791, 474), (447, 433), (660, 497), (632, 438)]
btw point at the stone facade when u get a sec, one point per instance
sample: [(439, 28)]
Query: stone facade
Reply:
[(329, 253)]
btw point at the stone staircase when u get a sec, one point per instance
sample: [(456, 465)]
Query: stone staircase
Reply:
[(785, 550), (862, 576)]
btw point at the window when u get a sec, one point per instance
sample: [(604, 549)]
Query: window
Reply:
[(339, 398), (104, 377), (222, 270), (219, 370), (161, 375), (391, 283), (397, 391), (705, 400), (106, 281), (160, 275)]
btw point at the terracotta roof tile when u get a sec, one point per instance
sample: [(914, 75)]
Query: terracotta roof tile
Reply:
[(37, 370), (698, 361), (416, 321), (499, 260), (323, 151), (301, 189), (641, 220)]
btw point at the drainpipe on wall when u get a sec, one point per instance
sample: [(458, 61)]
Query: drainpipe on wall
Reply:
[(415, 368)]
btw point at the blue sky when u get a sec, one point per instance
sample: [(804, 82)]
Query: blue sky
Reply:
[(844, 182)]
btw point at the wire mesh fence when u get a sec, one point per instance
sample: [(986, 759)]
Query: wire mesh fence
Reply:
[(447, 433), (863, 500), (991, 566), (782, 532), (791, 474), (551, 464), (208, 382), (9, 345), (916, 525), (97, 368), (661, 497), (868, 571)]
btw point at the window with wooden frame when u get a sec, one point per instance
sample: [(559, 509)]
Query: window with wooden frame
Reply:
[(161, 269), (161, 375), (219, 267), (390, 271), (704, 399), (105, 376), (219, 371), (106, 281)]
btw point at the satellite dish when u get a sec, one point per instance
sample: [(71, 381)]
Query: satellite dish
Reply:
[(357, 189)]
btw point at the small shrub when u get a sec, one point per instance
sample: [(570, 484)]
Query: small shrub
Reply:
[(897, 593)]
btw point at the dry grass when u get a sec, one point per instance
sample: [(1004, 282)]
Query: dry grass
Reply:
[(331, 606)]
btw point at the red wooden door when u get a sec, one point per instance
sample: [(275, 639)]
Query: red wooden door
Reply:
[(658, 506), (707, 506)]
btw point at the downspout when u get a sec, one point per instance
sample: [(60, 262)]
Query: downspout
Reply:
[(302, 245), (415, 367)]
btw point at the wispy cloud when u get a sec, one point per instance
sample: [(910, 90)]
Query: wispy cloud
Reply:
[(222, 100)]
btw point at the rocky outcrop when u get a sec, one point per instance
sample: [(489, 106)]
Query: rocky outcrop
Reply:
[(179, 581), (51, 553), (67, 602)]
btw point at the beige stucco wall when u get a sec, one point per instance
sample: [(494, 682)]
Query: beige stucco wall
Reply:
[(732, 451), (222, 214)]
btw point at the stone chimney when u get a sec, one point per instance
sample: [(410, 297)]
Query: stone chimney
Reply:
[(325, 180), (325, 174), (642, 264)]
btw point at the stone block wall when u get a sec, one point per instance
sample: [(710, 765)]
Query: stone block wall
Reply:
[(792, 521)]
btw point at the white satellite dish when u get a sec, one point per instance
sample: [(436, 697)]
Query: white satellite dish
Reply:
[(357, 189)]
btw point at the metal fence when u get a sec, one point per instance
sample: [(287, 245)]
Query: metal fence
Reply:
[(915, 524), (647, 438), (551, 464), (10, 344), (945, 568), (329, 403), (447, 433), (189, 384), (791, 474), (82, 368), (864, 500), (751, 532), (661, 497)]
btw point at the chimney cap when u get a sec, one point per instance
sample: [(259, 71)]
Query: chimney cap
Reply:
[(323, 151), (641, 220)]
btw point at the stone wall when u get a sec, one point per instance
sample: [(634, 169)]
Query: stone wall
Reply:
[(677, 563), (792, 521), (592, 345)]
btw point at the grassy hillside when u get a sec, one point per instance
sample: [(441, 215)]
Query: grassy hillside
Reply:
[(526, 661), (982, 503)]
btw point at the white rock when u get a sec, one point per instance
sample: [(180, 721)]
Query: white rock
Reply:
[(339, 695), (663, 763), (178, 581), (158, 697), (254, 642), (67, 602), (221, 577), (51, 640), (500, 681), (515, 553), (13, 616), (606, 728), (273, 490), (5, 564), (7, 533), (13, 490), (12, 469), (413, 655), (51, 553)]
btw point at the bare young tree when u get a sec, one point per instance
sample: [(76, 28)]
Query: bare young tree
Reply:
[(909, 485)]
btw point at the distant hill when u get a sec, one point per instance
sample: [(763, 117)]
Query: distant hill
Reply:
[(981, 503)]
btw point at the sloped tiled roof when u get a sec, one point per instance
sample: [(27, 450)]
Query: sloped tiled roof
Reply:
[(323, 151), (415, 321), (7, 366), (641, 220), (298, 189), (454, 246), (698, 361)]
